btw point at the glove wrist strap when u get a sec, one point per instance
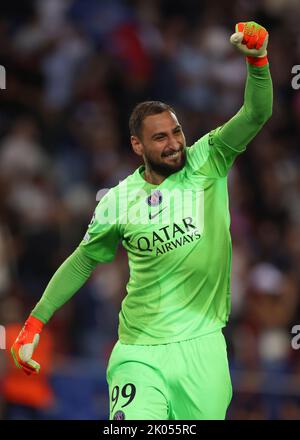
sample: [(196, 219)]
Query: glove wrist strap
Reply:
[(257, 61), (34, 324)]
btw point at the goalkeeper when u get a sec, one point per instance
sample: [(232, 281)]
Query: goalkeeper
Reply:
[(170, 361)]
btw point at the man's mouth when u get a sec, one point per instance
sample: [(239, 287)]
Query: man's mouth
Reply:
[(173, 153)]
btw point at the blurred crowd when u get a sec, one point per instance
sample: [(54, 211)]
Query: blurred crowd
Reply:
[(74, 71)]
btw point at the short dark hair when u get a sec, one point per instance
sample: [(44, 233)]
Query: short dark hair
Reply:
[(144, 109)]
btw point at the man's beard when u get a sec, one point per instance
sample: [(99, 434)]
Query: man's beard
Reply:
[(166, 169)]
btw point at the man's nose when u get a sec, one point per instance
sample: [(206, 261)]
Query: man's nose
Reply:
[(173, 142)]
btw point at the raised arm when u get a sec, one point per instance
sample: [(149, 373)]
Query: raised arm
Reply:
[(214, 154), (258, 97)]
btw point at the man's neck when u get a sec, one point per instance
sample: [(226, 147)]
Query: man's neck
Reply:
[(153, 177)]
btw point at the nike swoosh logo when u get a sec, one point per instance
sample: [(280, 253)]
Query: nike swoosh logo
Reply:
[(151, 216)]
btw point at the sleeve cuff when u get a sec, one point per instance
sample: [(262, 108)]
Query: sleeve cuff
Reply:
[(257, 61)]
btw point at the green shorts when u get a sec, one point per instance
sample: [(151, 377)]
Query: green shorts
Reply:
[(186, 380)]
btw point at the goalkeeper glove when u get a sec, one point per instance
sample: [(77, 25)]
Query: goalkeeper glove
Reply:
[(251, 39), (24, 345)]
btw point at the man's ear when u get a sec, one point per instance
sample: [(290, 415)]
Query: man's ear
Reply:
[(137, 146)]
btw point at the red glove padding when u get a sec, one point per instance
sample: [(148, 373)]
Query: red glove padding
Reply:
[(23, 347), (254, 35), (251, 39)]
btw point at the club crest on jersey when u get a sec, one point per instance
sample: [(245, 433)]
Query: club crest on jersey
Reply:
[(155, 198), (119, 415)]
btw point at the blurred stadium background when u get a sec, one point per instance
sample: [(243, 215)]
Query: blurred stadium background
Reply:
[(75, 69)]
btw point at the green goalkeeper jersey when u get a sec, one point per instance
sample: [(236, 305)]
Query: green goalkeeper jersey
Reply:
[(177, 238), (176, 235)]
